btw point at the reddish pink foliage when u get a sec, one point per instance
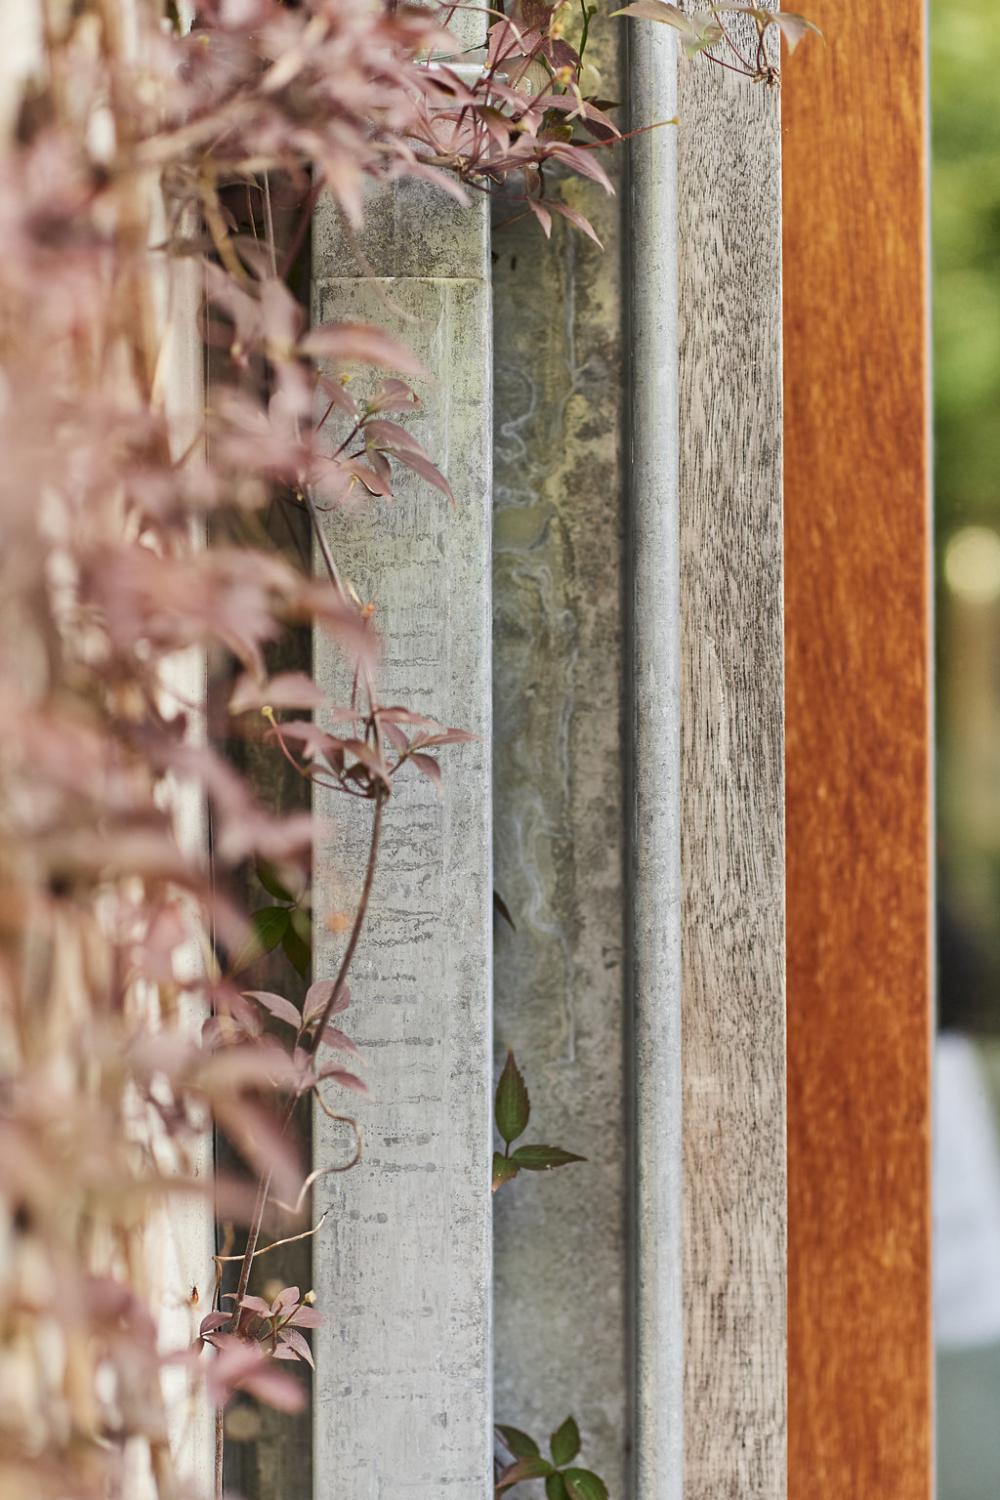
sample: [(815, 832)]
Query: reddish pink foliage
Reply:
[(121, 1047)]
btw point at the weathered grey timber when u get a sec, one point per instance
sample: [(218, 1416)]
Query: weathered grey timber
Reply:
[(654, 815), (560, 1266), (732, 833), (403, 1264)]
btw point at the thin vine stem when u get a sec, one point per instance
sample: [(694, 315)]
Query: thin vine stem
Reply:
[(264, 1183), (359, 919), (291, 1239)]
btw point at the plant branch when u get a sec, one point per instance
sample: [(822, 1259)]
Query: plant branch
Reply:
[(264, 1184), (291, 1239), (359, 921)]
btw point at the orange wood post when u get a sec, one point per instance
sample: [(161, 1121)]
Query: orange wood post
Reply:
[(858, 733)]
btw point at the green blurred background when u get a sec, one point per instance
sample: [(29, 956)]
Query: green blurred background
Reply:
[(965, 209), (965, 128)]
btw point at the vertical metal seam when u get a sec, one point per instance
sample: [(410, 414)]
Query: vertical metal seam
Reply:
[(653, 752)]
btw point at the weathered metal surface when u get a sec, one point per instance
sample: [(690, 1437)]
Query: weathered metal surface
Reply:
[(560, 1239), (654, 741), (694, 1357), (403, 1387)]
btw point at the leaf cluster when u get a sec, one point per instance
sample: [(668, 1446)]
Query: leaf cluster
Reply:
[(512, 1112), (563, 1479)]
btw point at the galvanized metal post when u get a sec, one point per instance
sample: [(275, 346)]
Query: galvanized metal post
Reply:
[(403, 1266), (654, 815)]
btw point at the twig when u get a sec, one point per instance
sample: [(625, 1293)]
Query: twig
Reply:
[(264, 1184), (359, 920), (220, 1452), (324, 545), (314, 1177), (253, 1234), (291, 1240)]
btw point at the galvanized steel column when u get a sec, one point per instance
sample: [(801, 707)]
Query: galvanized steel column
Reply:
[(403, 1264), (654, 822)]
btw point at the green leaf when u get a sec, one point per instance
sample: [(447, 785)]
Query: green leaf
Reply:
[(555, 1488), (268, 928), (529, 1467), (564, 1444), (519, 1443), (268, 877), (583, 1484), (298, 953), (543, 1158), (504, 1170), (513, 1107)]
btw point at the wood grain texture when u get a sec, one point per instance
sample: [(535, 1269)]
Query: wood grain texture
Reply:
[(732, 835), (857, 621), (403, 1392)]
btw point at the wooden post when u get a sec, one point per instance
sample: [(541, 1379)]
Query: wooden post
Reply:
[(858, 710), (707, 859), (403, 1266), (732, 798)]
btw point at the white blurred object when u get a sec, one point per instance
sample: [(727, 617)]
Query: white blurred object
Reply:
[(966, 1199), (972, 564)]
